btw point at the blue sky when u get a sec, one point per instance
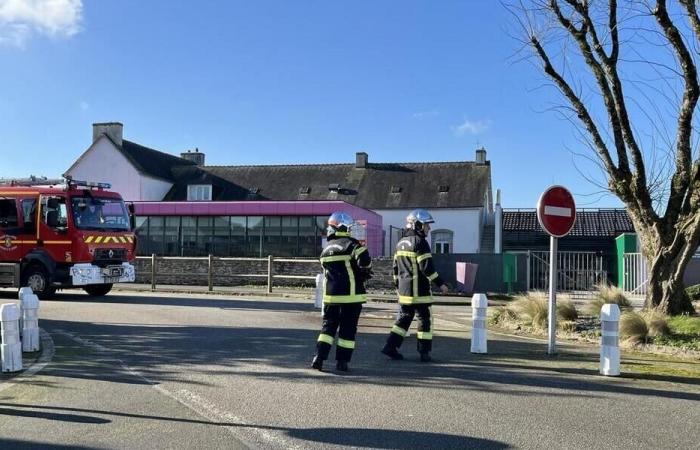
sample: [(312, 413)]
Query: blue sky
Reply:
[(274, 82)]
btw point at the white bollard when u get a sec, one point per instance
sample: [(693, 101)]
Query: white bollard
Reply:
[(22, 292), (29, 304), (11, 347), (610, 342), (480, 304), (318, 298)]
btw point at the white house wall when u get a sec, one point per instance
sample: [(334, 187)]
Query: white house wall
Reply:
[(464, 223), (104, 163)]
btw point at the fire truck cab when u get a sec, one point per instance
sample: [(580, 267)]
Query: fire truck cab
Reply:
[(74, 234)]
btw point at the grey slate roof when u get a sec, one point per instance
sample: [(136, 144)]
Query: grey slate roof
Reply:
[(589, 223), (152, 162), (414, 184)]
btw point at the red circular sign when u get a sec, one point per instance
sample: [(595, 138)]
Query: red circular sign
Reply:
[(556, 211)]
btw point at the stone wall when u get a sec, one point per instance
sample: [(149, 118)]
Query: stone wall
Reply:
[(194, 272)]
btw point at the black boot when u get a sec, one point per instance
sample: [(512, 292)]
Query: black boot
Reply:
[(392, 353), (425, 357), (342, 366), (317, 364)]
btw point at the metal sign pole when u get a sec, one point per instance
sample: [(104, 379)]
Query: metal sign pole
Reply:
[(552, 347)]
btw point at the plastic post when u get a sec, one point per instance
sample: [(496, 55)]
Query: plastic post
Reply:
[(480, 305), (610, 341), (11, 347)]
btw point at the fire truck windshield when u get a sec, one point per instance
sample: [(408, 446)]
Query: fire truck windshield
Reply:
[(105, 214)]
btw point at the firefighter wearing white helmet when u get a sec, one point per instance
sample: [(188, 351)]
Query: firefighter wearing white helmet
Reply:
[(346, 265), (413, 273)]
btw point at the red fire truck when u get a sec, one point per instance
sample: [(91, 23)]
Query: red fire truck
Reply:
[(73, 234)]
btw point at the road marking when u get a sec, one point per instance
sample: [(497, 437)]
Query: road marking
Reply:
[(45, 358), (194, 402), (557, 211)]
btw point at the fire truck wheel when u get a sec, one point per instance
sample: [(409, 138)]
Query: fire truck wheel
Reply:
[(98, 290), (37, 278)]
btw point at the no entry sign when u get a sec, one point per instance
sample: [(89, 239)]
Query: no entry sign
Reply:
[(556, 211)]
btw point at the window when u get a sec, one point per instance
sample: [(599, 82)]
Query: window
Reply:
[(188, 236), (273, 238), (172, 236), (308, 237), (199, 192), (238, 225), (156, 232), (142, 238), (254, 236), (442, 241), (29, 214), (54, 212), (222, 236), (8, 213), (290, 236)]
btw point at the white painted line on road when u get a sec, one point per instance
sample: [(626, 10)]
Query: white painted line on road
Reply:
[(45, 358), (557, 211), (192, 401)]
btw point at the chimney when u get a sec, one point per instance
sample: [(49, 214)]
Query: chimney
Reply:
[(114, 130), (195, 156), (481, 156), (361, 160)]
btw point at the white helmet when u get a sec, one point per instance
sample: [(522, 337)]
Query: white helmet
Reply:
[(339, 222), (417, 218)]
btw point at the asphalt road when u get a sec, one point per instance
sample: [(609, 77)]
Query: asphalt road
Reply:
[(197, 371)]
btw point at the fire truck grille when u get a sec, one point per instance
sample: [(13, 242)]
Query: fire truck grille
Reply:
[(110, 255)]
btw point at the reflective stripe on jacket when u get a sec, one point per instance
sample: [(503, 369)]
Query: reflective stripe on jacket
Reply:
[(414, 270), (345, 262)]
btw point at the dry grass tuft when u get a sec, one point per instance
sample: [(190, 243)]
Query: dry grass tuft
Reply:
[(607, 294), (633, 327)]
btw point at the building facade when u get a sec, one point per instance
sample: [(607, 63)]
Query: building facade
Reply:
[(458, 194)]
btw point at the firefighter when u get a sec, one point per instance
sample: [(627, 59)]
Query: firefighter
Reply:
[(347, 265), (413, 273)]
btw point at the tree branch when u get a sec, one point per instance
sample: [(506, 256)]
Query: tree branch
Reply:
[(682, 177)]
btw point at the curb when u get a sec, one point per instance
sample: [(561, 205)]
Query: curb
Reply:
[(284, 294), (47, 352)]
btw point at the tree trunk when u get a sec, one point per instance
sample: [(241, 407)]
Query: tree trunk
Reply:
[(666, 291)]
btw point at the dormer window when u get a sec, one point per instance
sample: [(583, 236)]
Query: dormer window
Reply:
[(443, 188), (304, 190), (334, 187), (199, 192), (396, 189)]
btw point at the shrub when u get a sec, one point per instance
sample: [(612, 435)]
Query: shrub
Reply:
[(693, 292), (531, 309), (607, 294), (568, 326), (502, 315), (566, 311), (657, 323), (633, 327)]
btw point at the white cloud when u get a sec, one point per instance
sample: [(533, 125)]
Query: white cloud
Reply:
[(20, 19), (425, 114), (472, 127)]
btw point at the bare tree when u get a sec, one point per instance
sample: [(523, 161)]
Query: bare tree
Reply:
[(640, 123)]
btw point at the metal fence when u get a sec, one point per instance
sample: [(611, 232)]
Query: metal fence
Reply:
[(577, 271), (635, 274)]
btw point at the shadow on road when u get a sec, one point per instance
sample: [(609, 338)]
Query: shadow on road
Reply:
[(15, 444), (51, 415), (162, 353), (354, 437), (391, 439)]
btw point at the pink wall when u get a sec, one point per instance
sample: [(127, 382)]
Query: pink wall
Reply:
[(269, 208)]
